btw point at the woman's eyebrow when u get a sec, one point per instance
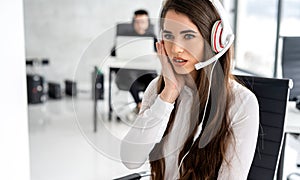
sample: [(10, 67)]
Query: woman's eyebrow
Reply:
[(187, 31), (181, 32), (165, 31)]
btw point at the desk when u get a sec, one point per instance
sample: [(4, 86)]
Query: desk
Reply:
[(292, 124), (149, 62)]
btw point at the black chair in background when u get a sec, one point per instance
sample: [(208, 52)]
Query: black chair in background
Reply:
[(126, 29), (126, 79), (291, 63), (272, 95)]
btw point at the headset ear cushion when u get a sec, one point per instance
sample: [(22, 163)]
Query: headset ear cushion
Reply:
[(216, 37)]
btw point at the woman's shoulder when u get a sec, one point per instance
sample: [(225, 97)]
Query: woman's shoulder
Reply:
[(153, 84), (240, 92), (244, 102), (150, 94)]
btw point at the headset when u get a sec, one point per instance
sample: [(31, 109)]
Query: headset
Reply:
[(221, 36)]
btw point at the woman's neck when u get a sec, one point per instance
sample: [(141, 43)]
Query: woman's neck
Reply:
[(190, 79)]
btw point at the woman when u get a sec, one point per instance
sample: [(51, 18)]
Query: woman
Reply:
[(184, 101)]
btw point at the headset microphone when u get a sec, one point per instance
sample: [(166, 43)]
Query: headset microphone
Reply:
[(221, 36)]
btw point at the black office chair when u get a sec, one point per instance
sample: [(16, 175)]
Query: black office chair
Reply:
[(272, 95), (126, 78), (290, 60)]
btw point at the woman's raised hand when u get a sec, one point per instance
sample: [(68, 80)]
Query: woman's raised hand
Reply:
[(173, 81)]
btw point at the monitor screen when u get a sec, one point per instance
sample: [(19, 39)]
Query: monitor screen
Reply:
[(129, 47)]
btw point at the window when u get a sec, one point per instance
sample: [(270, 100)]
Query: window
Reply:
[(290, 18), (256, 36)]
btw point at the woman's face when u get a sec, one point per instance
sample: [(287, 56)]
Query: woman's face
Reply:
[(182, 41)]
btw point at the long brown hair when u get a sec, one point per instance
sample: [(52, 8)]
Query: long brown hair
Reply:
[(204, 162)]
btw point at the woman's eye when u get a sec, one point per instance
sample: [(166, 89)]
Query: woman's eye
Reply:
[(168, 36), (189, 36)]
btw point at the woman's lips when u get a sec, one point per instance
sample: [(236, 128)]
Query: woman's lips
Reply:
[(179, 61)]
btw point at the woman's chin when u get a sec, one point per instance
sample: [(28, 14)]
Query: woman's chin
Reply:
[(182, 71)]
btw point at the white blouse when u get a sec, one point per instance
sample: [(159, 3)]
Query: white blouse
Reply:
[(152, 121)]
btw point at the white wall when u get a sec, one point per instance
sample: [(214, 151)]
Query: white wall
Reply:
[(14, 150), (61, 30)]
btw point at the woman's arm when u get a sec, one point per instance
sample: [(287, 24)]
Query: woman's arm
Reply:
[(147, 130)]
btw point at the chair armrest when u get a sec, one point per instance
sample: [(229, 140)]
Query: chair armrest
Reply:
[(135, 176)]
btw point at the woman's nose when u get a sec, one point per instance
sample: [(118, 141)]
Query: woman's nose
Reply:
[(177, 48)]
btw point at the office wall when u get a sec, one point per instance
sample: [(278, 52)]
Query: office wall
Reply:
[(61, 30), (14, 151)]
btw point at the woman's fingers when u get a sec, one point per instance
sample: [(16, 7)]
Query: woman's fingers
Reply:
[(168, 73), (166, 66), (173, 82)]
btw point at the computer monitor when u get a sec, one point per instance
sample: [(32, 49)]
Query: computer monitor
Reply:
[(129, 47)]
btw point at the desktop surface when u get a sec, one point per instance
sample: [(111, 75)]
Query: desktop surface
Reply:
[(293, 118)]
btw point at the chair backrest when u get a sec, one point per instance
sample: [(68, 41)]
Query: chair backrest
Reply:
[(291, 63), (125, 78), (272, 95), (126, 29)]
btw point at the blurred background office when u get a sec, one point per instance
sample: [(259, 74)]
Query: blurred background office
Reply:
[(62, 42)]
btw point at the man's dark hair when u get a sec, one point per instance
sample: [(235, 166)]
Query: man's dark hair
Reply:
[(140, 12)]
